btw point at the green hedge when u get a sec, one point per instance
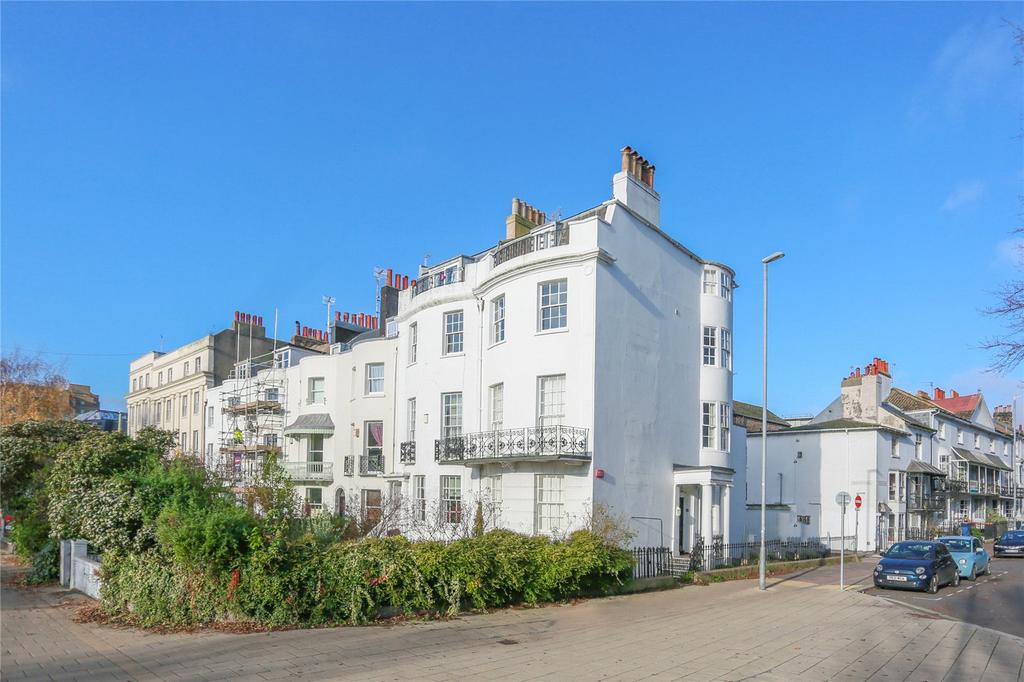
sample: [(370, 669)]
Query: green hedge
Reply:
[(300, 582)]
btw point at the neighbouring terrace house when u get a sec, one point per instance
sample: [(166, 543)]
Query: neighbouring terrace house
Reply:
[(917, 462)]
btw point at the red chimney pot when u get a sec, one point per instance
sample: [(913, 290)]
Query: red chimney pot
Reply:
[(390, 275)]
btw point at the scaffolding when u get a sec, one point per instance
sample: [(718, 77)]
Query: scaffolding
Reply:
[(253, 412)]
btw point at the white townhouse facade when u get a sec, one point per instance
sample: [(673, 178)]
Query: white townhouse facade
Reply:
[(167, 390), (902, 453), (579, 362)]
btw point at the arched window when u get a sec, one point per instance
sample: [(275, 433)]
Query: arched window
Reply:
[(339, 502)]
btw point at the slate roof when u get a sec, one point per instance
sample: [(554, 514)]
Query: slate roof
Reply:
[(907, 401), (751, 411), (839, 425), (919, 467)]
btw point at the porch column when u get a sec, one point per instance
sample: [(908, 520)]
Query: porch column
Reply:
[(706, 504), (726, 489)]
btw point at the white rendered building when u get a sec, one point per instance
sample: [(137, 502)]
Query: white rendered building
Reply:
[(579, 362), (917, 462)]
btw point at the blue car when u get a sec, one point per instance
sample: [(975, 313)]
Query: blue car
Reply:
[(917, 565), (1010, 544), (969, 553)]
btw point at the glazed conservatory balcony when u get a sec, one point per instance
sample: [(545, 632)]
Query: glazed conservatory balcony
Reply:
[(532, 443)]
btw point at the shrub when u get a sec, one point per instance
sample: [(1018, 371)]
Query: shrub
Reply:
[(211, 539), (45, 564), (31, 530)]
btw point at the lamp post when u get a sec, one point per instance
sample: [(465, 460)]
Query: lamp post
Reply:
[(761, 561)]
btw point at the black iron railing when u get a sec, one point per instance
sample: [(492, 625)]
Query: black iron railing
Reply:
[(407, 452), (371, 464), (565, 442), (443, 277), (920, 502), (349, 465), (720, 555), (652, 562), (535, 241)]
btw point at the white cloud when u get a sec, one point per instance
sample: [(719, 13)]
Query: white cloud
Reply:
[(1010, 252), (964, 193), (969, 65)]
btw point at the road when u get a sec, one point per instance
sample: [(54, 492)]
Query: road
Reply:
[(993, 601)]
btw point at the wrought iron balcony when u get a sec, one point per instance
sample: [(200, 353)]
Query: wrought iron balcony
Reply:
[(371, 464), (925, 502), (956, 485), (407, 452), (452, 274), (531, 443), (310, 471), (537, 240)]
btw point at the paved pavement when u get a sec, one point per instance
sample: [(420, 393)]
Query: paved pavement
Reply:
[(995, 600), (802, 628)]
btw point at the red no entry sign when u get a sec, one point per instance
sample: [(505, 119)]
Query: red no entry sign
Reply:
[(857, 501)]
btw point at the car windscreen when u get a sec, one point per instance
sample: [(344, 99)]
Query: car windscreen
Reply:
[(1013, 536), (958, 545), (910, 550)]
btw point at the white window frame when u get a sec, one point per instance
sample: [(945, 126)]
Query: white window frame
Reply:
[(314, 395), (551, 400), (453, 339), (315, 447), (708, 425), (451, 499), (419, 497), (942, 430), (710, 282), (723, 429), (553, 305), (410, 417), (413, 341), (374, 384), (919, 446), (709, 345), (959, 436), (496, 394), (549, 503), (725, 285), (451, 414), (725, 348), (498, 319), (195, 402), (376, 451), (170, 374), (977, 441)]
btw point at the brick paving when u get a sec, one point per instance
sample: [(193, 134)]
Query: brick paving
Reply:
[(801, 629)]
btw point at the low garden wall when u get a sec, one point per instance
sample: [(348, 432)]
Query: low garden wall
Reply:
[(78, 570)]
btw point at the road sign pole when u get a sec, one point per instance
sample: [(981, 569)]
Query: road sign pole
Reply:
[(842, 551)]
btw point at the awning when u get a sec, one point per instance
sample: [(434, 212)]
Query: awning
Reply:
[(919, 467), (966, 454), (982, 459), (307, 424), (995, 462), (883, 508)]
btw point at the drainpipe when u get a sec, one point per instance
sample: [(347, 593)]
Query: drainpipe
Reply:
[(480, 377)]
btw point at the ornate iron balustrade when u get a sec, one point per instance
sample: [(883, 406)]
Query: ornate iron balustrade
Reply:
[(349, 465), (371, 464), (535, 241), (450, 275), (956, 485), (926, 502), (407, 452), (556, 442)]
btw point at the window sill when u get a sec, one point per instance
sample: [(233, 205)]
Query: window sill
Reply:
[(546, 332), (496, 344), (453, 355)]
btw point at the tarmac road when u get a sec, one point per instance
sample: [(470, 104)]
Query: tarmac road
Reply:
[(995, 600)]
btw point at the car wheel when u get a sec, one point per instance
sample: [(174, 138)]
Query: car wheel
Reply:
[(974, 574), (933, 584), (956, 579)]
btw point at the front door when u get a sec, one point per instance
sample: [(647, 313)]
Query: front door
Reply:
[(685, 523)]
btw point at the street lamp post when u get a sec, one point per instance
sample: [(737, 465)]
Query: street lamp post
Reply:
[(761, 561)]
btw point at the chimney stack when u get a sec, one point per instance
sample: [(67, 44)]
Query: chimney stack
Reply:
[(634, 186), (522, 219), (939, 394)]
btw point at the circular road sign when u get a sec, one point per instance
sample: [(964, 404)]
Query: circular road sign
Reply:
[(858, 501), (842, 498)]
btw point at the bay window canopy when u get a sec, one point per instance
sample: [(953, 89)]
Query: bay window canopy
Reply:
[(310, 424)]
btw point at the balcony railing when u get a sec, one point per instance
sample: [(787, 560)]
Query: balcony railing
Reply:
[(407, 452), (371, 464), (310, 471), (534, 442), (440, 278), (538, 240), (925, 502), (349, 465), (956, 485)]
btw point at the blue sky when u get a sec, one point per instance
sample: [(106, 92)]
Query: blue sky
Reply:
[(166, 164)]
